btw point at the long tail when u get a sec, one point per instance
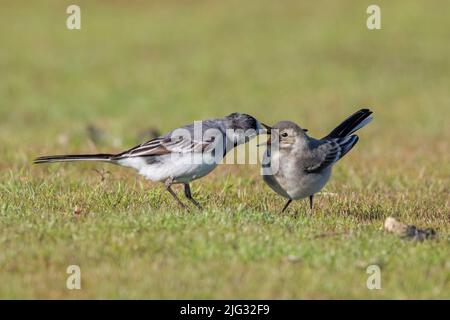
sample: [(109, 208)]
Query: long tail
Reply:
[(75, 157), (350, 125)]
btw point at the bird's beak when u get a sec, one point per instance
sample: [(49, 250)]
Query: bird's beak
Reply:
[(268, 128)]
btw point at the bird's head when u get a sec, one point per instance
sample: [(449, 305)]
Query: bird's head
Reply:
[(242, 127), (286, 134)]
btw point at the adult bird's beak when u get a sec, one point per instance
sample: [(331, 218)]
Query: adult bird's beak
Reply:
[(268, 141), (268, 128)]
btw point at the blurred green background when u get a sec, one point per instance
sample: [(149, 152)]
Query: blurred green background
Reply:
[(140, 65)]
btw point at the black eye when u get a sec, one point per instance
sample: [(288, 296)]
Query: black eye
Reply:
[(284, 134)]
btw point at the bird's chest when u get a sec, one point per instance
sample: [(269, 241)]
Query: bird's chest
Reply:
[(290, 176), (279, 172)]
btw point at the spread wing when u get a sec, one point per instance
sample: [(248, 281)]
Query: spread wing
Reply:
[(328, 152)]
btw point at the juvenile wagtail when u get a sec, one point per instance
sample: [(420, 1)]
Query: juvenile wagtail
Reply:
[(300, 166)]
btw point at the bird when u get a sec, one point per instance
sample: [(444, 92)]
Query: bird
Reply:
[(297, 166), (182, 155)]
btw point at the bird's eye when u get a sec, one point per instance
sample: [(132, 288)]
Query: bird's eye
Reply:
[(284, 134)]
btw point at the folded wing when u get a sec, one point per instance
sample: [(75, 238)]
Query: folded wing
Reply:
[(166, 145), (328, 153)]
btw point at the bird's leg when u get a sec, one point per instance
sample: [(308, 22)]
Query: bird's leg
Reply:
[(168, 185), (311, 197), (187, 193), (286, 205)]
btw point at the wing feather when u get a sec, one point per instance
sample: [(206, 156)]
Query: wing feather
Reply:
[(167, 145), (329, 152)]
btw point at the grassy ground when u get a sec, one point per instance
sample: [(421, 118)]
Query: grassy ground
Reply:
[(166, 63)]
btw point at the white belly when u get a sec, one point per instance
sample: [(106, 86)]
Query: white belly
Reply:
[(182, 169)]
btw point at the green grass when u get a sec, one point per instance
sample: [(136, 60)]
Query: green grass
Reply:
[(164, 64)]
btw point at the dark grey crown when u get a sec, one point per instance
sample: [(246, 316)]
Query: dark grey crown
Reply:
[(242, 121)]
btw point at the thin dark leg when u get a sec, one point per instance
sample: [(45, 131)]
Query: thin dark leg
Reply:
[(286, 205), (187, 193), (311, 201), (168, 185)]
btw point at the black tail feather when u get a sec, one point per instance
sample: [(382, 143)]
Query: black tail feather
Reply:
[(74, 157), (353, 123), (348, 145)]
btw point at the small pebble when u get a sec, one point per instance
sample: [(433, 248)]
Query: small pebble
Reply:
[(410, 232)]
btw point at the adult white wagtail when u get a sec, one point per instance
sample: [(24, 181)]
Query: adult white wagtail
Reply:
[(182, 155), (300, 166)]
